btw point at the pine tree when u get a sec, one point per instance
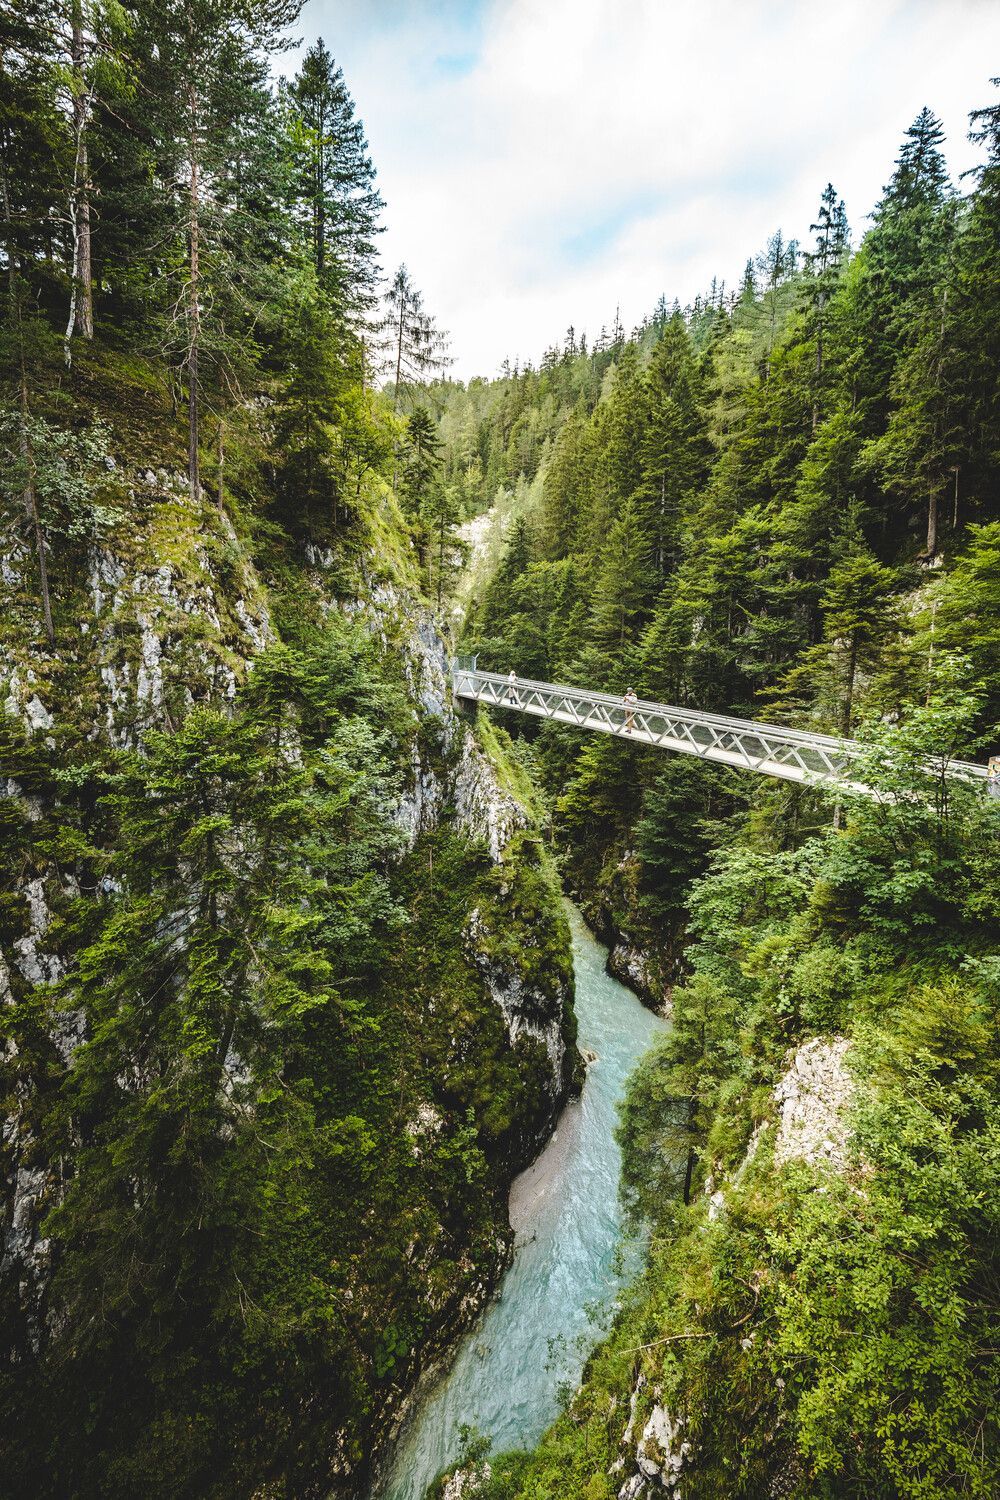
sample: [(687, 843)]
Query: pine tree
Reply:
[(95, 77), (621, 585), (903, 259), (825, 264), (567, 484), (423, 457), (922, 445), (921, 175), (441, 513), (776, 264), (35, 157), (31, 148), (975, 314), (242, 893)]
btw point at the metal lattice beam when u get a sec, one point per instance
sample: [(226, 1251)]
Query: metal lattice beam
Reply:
[(791, 754)]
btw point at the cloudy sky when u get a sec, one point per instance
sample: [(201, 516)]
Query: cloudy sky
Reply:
[(544, 161)]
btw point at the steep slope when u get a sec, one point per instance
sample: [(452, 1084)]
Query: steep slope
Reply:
[(286, 999), (814, 1148)]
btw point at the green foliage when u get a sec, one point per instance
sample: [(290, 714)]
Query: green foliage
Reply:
[(335, 196), (831, 1329), (71, 473), (293, 1107), (763, 507), (728, 510)]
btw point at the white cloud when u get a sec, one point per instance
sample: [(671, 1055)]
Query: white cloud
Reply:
[(546, 160)]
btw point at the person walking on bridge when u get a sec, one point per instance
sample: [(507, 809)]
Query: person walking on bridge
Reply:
[(630, 700), (512, 694)]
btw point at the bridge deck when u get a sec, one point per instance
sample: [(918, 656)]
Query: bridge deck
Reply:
[(792, 754)]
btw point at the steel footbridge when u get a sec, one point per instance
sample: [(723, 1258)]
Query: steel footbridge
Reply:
[(791, 754)]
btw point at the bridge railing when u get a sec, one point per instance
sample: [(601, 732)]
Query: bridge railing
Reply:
[(792, 754)]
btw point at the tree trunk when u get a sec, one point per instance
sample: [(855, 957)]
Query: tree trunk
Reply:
[(81, 299), (320, 205), (399, 357), (85, 275), (194, 316), (820, 306), (24, 438), (932, 523), (441, 558), (692, 1157), (81, 114), (221, 454), (847, 706), (661, 550)]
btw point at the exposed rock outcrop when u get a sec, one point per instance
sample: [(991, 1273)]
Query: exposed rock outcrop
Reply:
[(527, 1009), (461, 778), (812, 1100), (657, 1460), (634, 968), (464, 1484), (662, 1449), (484, 810), (176, 615), (171, 615), (814, 1096)]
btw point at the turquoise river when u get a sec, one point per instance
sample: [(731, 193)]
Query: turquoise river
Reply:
[(558, 1294)]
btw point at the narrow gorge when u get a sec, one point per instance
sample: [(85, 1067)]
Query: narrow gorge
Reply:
[(570, 1260), (410, 1098)]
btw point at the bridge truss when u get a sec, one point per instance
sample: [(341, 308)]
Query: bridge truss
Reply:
[(791, 754)]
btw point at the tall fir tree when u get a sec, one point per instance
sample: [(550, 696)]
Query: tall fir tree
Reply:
[(338, 203)]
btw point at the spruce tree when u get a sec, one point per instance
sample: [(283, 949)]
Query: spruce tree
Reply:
[(621, 585), (903, 259), (414, 346), (825, 264), (338, 203), (976, 317), (674, 449)]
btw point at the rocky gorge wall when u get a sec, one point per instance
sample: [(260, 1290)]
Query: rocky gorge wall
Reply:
[(171, 611)]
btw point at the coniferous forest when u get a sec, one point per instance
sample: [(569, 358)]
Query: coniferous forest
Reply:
[(286, 988)]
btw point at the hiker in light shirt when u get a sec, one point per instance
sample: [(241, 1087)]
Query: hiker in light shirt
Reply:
[(630, 700)]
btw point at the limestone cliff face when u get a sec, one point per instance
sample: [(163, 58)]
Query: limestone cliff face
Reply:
[(174, 613), (154, 637), (460, 781), (461, 786), (643, 959), (654, 1452)]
